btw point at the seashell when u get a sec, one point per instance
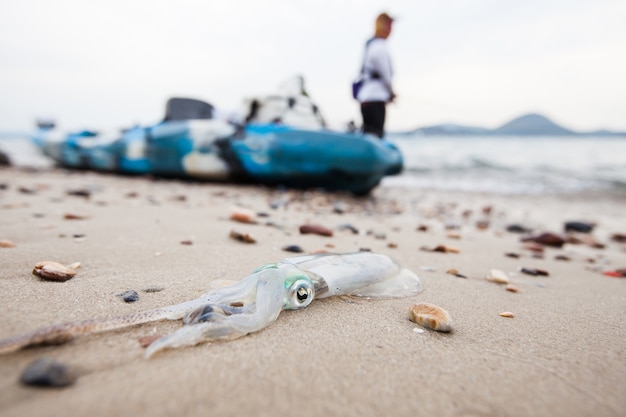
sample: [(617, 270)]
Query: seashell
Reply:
[(242, 237), (507, 314), (74, 265), (6, 244), (497, 276), (46, 372), (53, 271), (242, 215), (431, 316), (315, 229)]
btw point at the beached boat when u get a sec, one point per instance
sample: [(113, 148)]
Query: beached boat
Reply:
[(191, 143)]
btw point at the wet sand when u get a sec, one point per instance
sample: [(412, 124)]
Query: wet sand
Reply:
[(563, 354)]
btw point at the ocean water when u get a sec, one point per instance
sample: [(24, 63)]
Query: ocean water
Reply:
[(513, 164), (490, 164)]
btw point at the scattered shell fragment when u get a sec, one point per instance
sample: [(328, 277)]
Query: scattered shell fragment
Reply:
[(74, 216), (618, 237), (53, 271), (546, 239), (455, 272), (513, 255), (441, 248), (349, 227), (154, 288), (315, 229), (497, 276), (74, 265), (507, 314), (146, 341), (392, 245), (186, 242), (242, 215), (242, 237), (453, 235), (4, 243), (512, 288), (422, 228), (46, 372), (431, 316), (619, 273)]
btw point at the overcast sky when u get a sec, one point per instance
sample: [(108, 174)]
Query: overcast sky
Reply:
[(112, 63)]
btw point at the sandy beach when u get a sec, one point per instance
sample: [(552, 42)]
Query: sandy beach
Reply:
[(562, 354)]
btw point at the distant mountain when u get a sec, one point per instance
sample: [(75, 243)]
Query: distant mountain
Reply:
[(527, 125)]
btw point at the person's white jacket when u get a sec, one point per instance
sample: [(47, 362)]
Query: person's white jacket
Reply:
[(376, 61)]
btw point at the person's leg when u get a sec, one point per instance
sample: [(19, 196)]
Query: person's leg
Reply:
[(373, 113)]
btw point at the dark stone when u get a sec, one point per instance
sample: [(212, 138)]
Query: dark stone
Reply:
[(293, 248), (129, 296), (46, 372), (581, 227), (518, 228)]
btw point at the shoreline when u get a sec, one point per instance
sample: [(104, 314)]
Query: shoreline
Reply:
[(562, 353)]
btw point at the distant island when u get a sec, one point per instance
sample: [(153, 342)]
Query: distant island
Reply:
[(527, 125)]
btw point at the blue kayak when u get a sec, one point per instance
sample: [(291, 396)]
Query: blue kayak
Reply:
[(206, 148)]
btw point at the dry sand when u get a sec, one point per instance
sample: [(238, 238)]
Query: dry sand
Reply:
[(563, 354)]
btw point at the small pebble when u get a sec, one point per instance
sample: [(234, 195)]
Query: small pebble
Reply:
[(242, 237), (422, 228), (576, 226), (497, 276), (293, 248), (80, 193), (53, 271), (186, 242), (431, 316), (418, 330), (46, 372), (74, 216), (546, 239), (4, 243), (129, 296), (507, 314), (512, 288), (315, 229), (348, 227), (534, 272), (518, 228), (242, 215), (442, 249), (513, 255), (146, 341), (562, 258), (392, 245)]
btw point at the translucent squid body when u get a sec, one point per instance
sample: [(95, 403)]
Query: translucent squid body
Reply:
[(251, 304)]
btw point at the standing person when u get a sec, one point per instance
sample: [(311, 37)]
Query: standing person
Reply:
[(377, 89)]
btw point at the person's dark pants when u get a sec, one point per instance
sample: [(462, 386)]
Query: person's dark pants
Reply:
[(373, 113)]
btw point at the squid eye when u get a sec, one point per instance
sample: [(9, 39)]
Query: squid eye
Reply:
[(299, 294)]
